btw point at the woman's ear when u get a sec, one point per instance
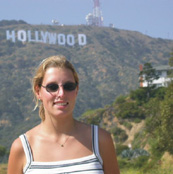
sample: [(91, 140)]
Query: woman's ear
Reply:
[(37, 92), (77, 89)]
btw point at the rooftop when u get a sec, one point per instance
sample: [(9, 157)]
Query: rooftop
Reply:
[(163, 67)]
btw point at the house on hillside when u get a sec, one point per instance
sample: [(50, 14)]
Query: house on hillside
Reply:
[(162, 72)]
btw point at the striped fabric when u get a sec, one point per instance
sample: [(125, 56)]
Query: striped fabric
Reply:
[(91, 164)]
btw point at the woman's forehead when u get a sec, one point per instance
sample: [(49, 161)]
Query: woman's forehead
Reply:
[(55, 73)]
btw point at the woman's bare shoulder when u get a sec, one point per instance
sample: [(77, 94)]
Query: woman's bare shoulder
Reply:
[(33, 132), (107, 151), (16, 158), (104, 135), (83, 126), (17, 143), (17, 146)]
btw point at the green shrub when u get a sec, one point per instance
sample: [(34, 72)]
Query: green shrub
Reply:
[(128, 125), (120, 99), (123, 163), (2, 151), (120, 148), (140, 161), (132, 154), (130, 110), (140, 95), (119, 134), (160, 93)]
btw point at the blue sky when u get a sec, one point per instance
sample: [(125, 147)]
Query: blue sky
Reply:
[(150, 17)]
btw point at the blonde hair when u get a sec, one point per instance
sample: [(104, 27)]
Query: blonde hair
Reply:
[(58, 61)]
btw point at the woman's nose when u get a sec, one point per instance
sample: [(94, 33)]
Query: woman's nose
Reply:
[(60, 91)]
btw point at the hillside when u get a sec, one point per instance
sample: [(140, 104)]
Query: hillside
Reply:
[(123, 130), (107, 66), (141, 129)]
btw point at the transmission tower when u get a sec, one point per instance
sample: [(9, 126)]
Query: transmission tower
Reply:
[(97, 14), (95, 18)]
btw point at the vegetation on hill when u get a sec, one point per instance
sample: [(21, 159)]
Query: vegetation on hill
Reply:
[(149, 144), (152, 140), (11, 22)]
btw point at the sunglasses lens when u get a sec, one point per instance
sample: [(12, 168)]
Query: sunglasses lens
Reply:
[(52, 87), (70, 86)]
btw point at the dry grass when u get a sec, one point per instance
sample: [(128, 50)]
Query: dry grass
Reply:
[(168, 170), (166, 160), (3, 168), (165, 167)]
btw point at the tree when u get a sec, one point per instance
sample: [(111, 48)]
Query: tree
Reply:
[(149, 74), (166, 133), (171, 65), (171, 60), (159, 123), (165, 130)]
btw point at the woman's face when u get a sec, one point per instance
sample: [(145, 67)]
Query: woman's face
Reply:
[(60, 102)]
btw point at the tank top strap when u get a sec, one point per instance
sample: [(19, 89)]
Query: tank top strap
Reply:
[(27, 150), (95, 143)]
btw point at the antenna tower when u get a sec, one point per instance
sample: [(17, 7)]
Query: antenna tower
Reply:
[(97, 14)]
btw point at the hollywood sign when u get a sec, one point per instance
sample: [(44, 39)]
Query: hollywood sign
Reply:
[(46, 37)]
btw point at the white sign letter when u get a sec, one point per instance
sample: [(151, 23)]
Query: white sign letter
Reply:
[(10, 35), (21, 35), (44, 36), (70, 40), (82, 39), (52, 38), (61, 39), (37, 37), (30, 37)]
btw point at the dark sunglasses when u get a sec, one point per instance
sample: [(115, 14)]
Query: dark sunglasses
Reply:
[(53, 87)]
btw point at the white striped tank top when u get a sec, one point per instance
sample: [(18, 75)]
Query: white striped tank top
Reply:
[(91, 164)]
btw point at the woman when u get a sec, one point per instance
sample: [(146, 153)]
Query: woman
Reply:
[(61, 144)]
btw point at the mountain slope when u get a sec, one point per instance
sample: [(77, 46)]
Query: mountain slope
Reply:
[(107, 66)]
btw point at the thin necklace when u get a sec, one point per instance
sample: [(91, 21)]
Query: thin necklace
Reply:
[(61, 145)]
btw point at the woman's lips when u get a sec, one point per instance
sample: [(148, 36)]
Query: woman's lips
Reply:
[(61, 103)]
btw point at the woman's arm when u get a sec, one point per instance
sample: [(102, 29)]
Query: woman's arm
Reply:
[(16, 158), (107, 151)]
